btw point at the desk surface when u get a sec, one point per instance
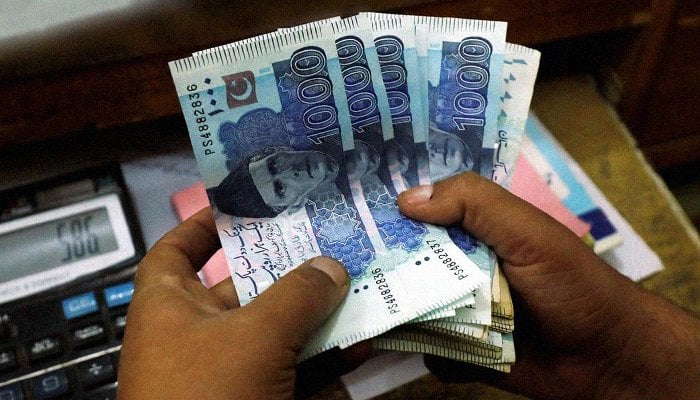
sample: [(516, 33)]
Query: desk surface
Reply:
[(603, 147)]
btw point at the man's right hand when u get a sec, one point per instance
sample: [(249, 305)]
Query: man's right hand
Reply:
[(583, 330)]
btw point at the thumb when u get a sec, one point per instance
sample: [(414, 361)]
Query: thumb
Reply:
[(295, 306), (565, 286), (513, 227)]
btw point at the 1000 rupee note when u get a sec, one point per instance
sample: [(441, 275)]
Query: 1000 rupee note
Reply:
[(519, 72), (266, 121), (520, 68), (373, 166), (396, 48), (464, 70), (372, 116), (463, 59)]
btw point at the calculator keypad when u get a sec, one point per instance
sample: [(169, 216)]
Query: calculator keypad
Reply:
[(78, 356), (88, 335), (12, 392), (106, 393)]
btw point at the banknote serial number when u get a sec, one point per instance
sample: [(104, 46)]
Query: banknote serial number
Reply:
[(389, 300), (447, 261), (201, 127)]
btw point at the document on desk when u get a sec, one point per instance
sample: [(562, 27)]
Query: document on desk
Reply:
[(273, 125), (541, 152), (632, 257)]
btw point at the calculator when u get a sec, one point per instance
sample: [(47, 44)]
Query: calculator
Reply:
[(69, 246)]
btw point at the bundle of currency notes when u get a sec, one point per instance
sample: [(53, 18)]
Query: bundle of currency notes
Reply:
[(304, 138)]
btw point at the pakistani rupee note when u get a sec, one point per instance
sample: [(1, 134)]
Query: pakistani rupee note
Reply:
[(271, 131), (519, 73), (462, 58), (464, 68), (520, 67), (398, 59), (379, 161)]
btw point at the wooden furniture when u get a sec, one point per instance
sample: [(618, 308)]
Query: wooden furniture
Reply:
[(113, 71)]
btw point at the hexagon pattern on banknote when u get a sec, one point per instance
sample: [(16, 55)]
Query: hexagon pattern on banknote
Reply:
[(462, 239), (396, 230), (338, 232)]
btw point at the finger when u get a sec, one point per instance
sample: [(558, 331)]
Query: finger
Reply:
[(225, 291), (295, 306), (183, 250), (513, 227)]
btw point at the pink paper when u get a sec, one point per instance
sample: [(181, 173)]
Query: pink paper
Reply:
[(529, 186), (186, 203)]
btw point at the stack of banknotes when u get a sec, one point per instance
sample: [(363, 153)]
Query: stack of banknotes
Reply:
[(305, 136)]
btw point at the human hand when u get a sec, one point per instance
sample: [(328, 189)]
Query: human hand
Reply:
[(582, 329), (184, 341)]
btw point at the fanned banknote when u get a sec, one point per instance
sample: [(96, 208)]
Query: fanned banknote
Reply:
[(519, 73), (383, 161), (305, 137), (464, 67), (465, 59), (271, 128), (457, 82), (395, 40)]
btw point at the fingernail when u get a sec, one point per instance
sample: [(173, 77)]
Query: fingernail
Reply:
[(332, 268), (418, 194)]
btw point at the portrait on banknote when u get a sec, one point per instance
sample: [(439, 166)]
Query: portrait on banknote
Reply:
[(447, 154), (273, 181)]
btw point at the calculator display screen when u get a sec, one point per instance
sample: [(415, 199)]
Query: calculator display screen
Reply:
[(53, 247), (57, 242)]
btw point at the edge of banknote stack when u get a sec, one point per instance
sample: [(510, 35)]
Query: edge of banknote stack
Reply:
[(305, 136)]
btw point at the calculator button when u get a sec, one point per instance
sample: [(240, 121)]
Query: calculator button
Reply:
[(80, 305), (88, 335), (12, 392), (7, 360), (119, 322), (51, 385), (44, 348), (109, 393), (118, 295), (95, 371), (7, 328)]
